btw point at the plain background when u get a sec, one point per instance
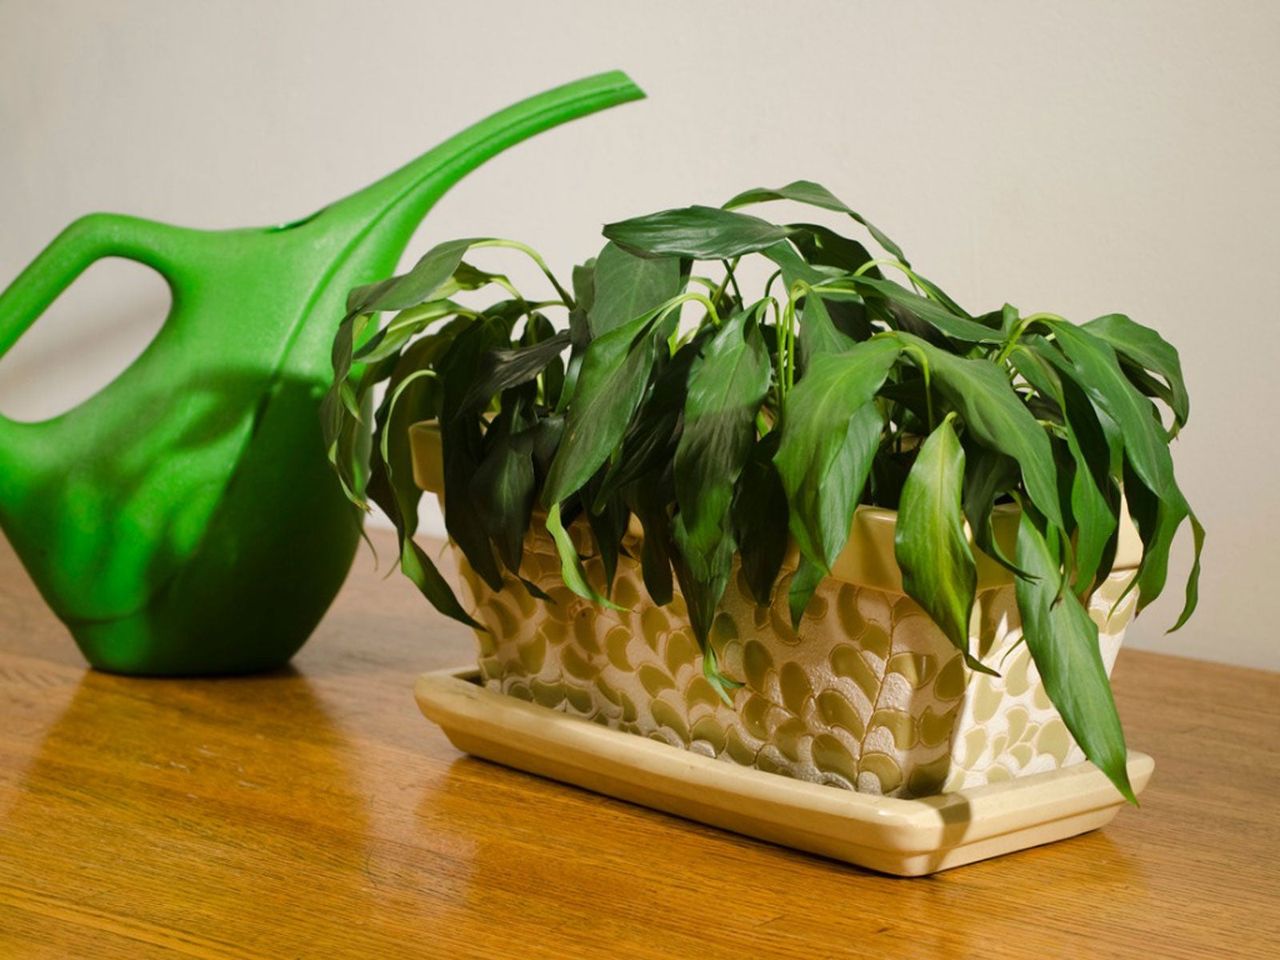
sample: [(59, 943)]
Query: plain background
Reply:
[(1082, 158)]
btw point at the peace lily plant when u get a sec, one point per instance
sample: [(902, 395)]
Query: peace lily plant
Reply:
[(848, 379)]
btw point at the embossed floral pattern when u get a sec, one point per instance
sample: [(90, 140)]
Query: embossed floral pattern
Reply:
[(867, 694)]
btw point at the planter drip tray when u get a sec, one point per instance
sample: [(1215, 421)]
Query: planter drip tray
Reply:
[(904, 837)]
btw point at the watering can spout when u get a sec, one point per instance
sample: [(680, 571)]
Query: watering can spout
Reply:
[(156, 516), (387, 213)]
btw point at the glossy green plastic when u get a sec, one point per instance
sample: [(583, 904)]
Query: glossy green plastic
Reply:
[(185, 519)]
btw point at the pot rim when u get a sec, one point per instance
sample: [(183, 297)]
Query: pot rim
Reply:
[(867, 558)]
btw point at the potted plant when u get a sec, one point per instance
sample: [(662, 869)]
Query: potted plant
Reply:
[(804, 527)]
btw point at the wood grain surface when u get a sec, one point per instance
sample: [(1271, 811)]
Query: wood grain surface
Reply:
[(314, 813)]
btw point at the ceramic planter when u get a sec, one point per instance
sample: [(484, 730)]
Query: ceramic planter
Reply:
[(866, 695)]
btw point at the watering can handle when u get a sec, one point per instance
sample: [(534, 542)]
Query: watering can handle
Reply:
[(84, 242)]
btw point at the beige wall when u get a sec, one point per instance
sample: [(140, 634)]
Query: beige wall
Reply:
[(1081, 157)]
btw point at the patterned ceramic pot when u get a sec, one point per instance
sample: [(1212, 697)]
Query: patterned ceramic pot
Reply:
[(867, 694)]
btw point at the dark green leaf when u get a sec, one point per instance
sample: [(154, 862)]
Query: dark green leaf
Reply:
[(648, 447), (610, 386), (818, 333), (804, 582), (608, 521), (1063, 641), (760, 519), (504, 488), (992, 411), (830, 433), (1147, 349), (648, 498), (824, 247), (814, 194), (503, 369), (1158, 520), (1193, 579), (727, 384), (571, 570), (1097, 371), (462, 447), (929, 542), (392, 487), (1093, 513), (987, 475), (699, 233), (926, 311), (625, 286), (420, 284)]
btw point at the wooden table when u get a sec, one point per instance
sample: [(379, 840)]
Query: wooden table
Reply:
[(315, 813)]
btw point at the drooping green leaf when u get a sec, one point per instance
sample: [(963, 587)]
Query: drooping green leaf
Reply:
[(625, 286), (1148, 350), (418, 285), (1063, 641), (608, 519), (830, 433), (760, 519), (727, 384), (818, 333), (926, 311), (804, 583), (1097, 371), (584, 286), (1092, 511), (402, 328), (929, 543), (1193, 578), (392, 487), (503, 369), (571, 570), (648, 498), (823, 247), (987, 475), (1158, 520), (462, 446), (699, 233), (505, 487), (610, 386), (719, 682), (648, 446), (814, 194), (992, 411)]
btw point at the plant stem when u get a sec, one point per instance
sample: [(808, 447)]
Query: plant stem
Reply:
[(898, 264), (533, 255), (733, 279), (1020, 329), (923, 361)]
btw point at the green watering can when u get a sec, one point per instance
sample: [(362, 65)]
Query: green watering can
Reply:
[(185, 519)]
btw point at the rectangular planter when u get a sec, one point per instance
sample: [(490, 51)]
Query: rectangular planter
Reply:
[(908, 838), (867, 694)]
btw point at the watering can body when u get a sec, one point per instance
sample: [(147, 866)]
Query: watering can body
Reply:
[(185, 519)]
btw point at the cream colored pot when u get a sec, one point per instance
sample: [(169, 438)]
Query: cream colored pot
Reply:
[(867, 694)]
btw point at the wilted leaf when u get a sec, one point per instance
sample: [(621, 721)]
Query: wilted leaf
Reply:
[(816, 195), (610, 386), (1063, 641), (700, 233), (929, 542), (830, 432)]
